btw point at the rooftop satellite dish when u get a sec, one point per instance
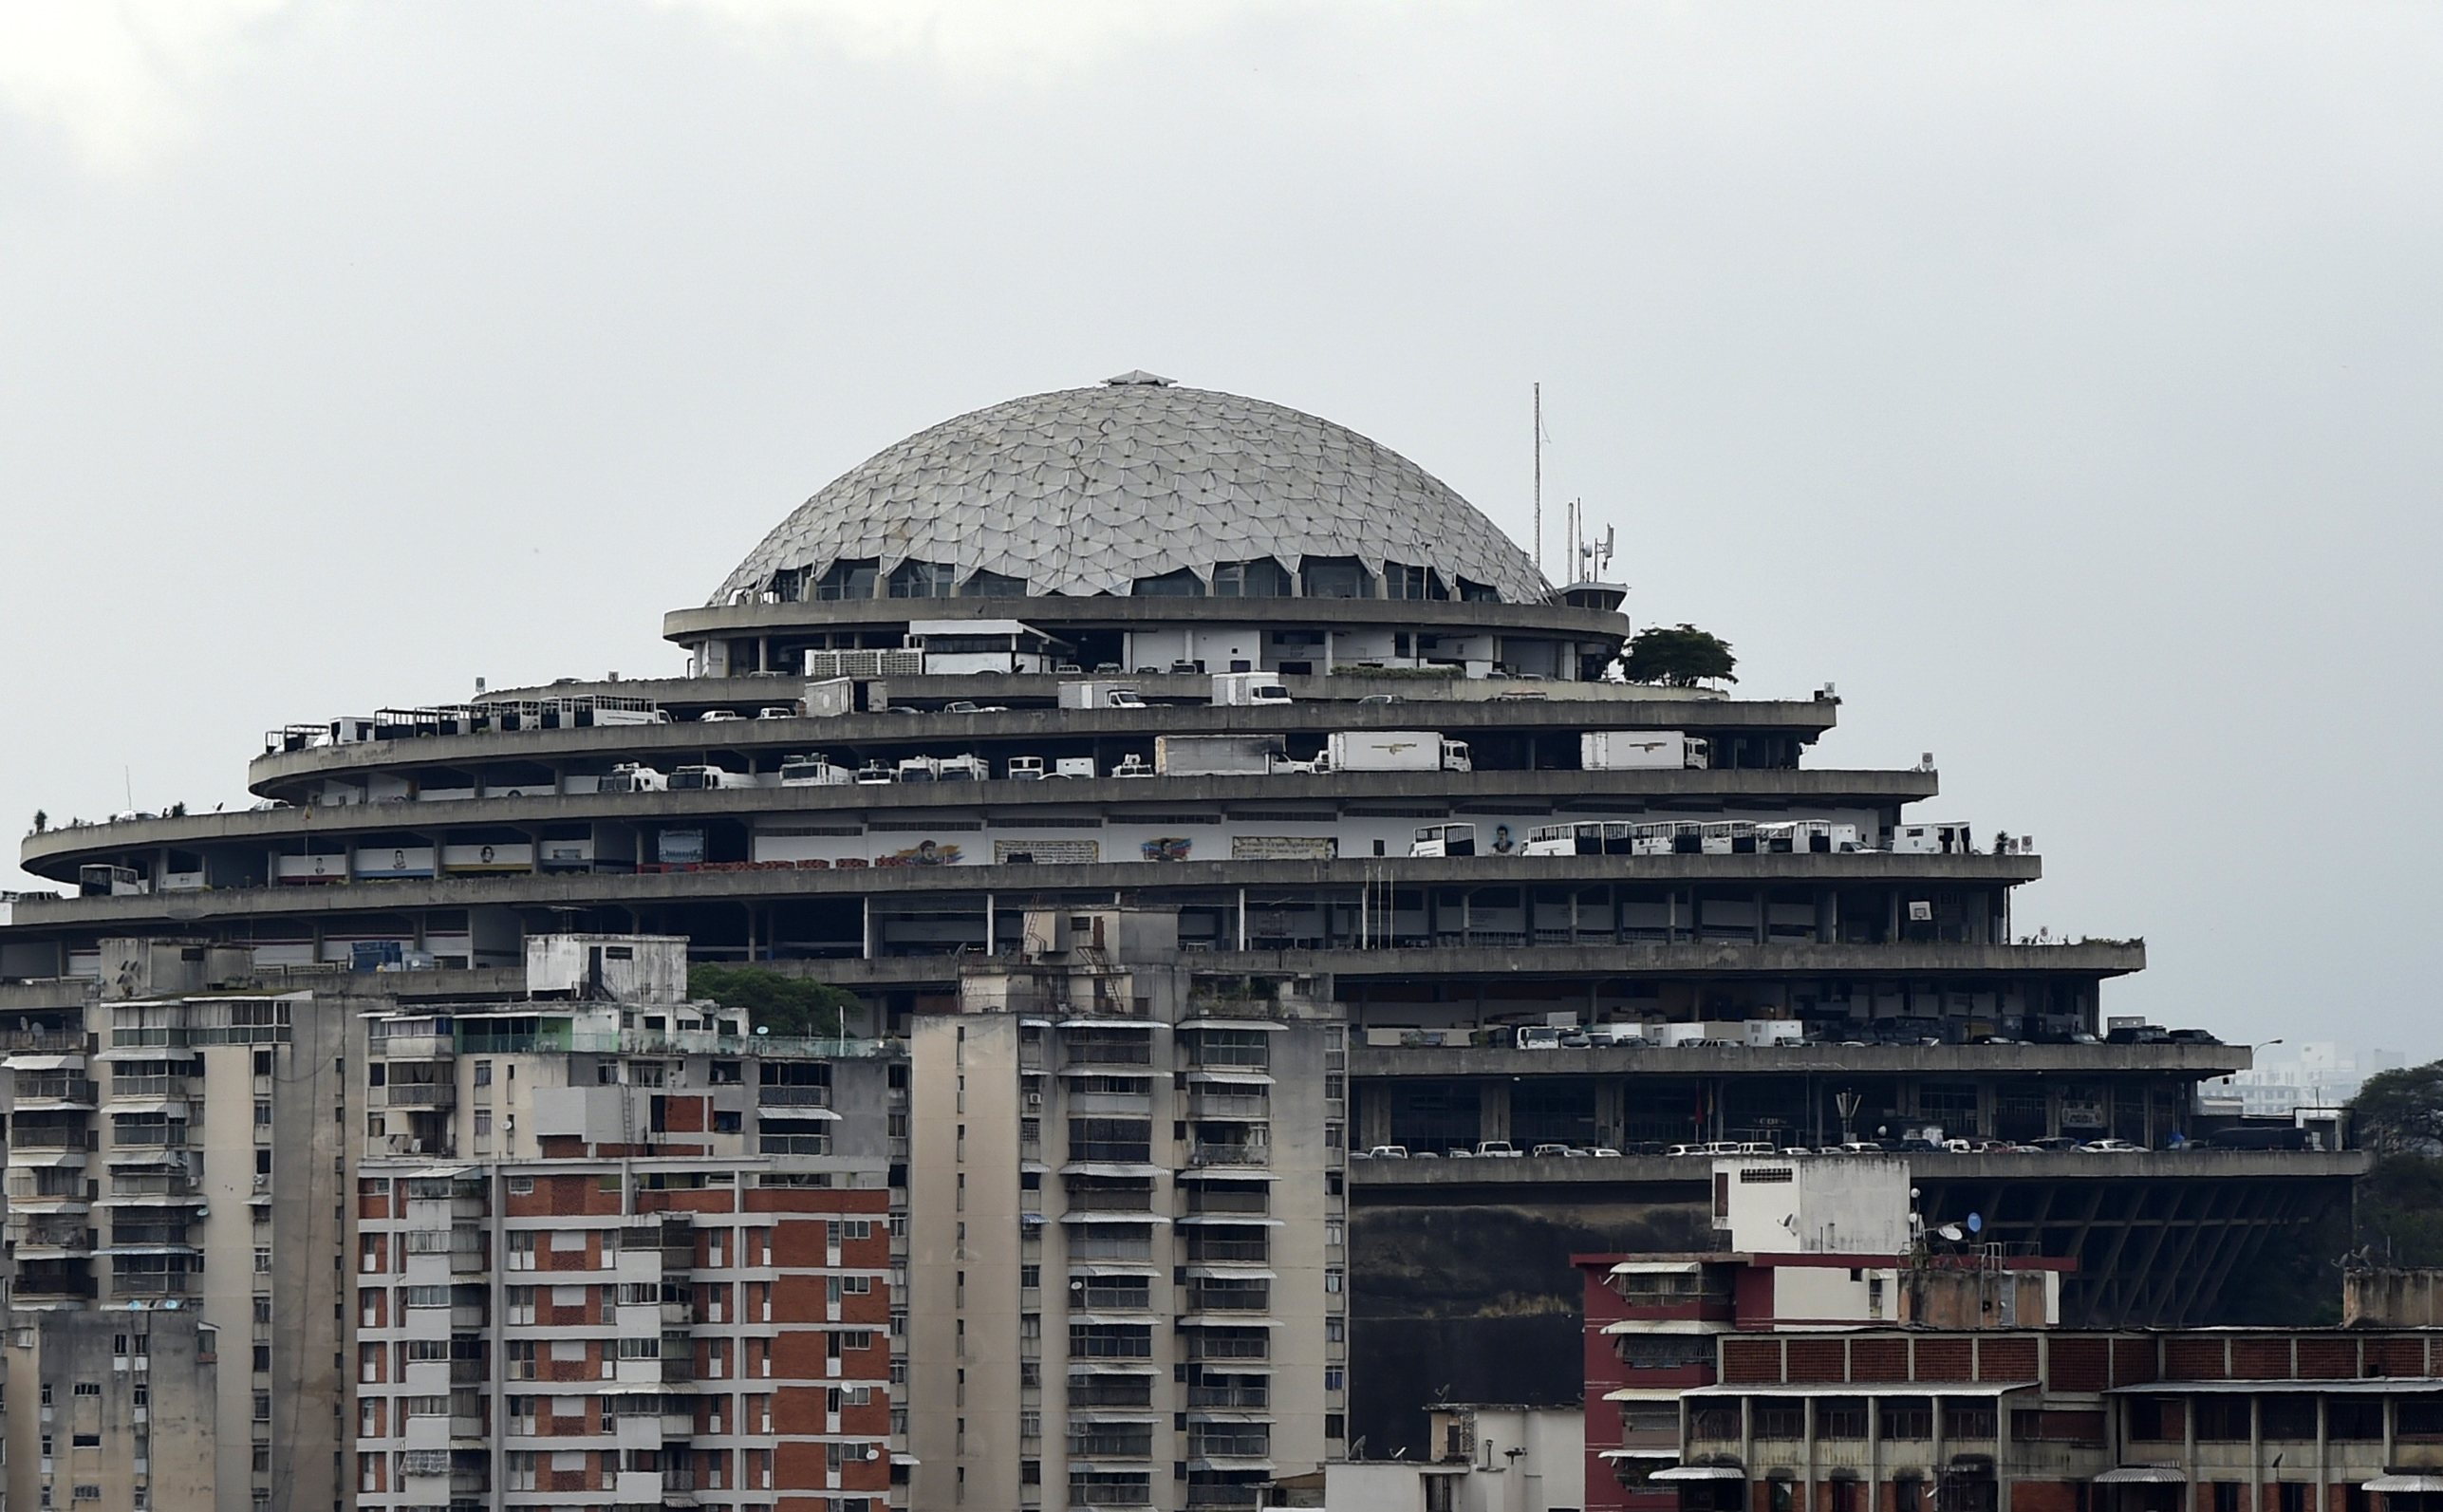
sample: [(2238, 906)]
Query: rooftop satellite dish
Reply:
[(1975, 1225), (1953, 1232)]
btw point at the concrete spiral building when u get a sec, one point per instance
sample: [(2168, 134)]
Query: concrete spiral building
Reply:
[(1198, 796)]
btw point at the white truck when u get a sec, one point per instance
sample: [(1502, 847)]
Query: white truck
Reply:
[(1630, 750), (1932, 840), (628, 776), (1244, 689), (1098, 695), (1396, 751), (1215, 755), (1081, 768), (814, 772), (943, 769), (685, 779)]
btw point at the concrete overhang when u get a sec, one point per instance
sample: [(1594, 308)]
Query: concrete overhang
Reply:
[(1695, 1173), (1562, 796), (1112, 612), (695, 740)]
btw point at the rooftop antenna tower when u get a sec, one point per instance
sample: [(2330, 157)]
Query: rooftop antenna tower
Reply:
[(1539, 480)]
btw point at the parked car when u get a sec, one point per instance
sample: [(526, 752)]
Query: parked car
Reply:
[(1382, 698), (1604, 1152), (1551, 1151), (1496, 1150), (2111, 1147), (1388, 1153), (718, 716)]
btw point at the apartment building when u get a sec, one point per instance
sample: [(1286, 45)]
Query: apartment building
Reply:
[(612, 1247), (175, 1161), (1126, 1226)]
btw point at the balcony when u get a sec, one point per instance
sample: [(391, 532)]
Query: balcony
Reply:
[(1202, 1497), (794, 1144), (174, 1089), (34, 1091), (49, 1136), (415, 1047), (41, 1043), (1254, 1397), (793, 1096), (47, 1285), (421, 1094), (1203, 1246), (1218, 1101), (143, 1283), (1231, 1154)]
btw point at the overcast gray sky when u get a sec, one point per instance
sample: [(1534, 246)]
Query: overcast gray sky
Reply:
[(2059, 379)]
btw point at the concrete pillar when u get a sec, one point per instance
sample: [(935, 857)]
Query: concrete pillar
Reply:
[(1493, 1110)]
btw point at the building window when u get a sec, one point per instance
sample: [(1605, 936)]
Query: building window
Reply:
[(1182, 584), (1262, 578), (924, 580), (849, 578), (994, 585), (1336, 578)]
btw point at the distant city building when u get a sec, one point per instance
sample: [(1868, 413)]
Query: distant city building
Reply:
[(2319, 1073)]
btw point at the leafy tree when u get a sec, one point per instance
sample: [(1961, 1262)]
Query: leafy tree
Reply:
[(2402, 1112), (1677, 657), (2401, 1211), (785, 1006)]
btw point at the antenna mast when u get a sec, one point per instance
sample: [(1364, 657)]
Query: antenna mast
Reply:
[(1539, 480)]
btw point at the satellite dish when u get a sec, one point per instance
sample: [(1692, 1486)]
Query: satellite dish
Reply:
[(1951, 1232), (1975, 1223)]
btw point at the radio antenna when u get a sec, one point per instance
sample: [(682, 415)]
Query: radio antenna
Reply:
[(1539, 480)]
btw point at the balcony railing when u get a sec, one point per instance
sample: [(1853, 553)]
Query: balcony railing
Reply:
[(423, 1095), (172, 1135), (793, 1096), (37, 1283), (1229, 1155), (1205, 1103), (794, 1144), (154, 1087), (42, 1042), (1205, 1248), (1231, 1396), (48, 1136)]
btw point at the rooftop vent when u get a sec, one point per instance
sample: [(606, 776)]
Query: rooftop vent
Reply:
[(1138, 378)]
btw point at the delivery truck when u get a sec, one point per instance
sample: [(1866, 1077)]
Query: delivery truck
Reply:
[(1215, 755), (1396, 751), (1243, 689), (1629, 750), (1098, 695)]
